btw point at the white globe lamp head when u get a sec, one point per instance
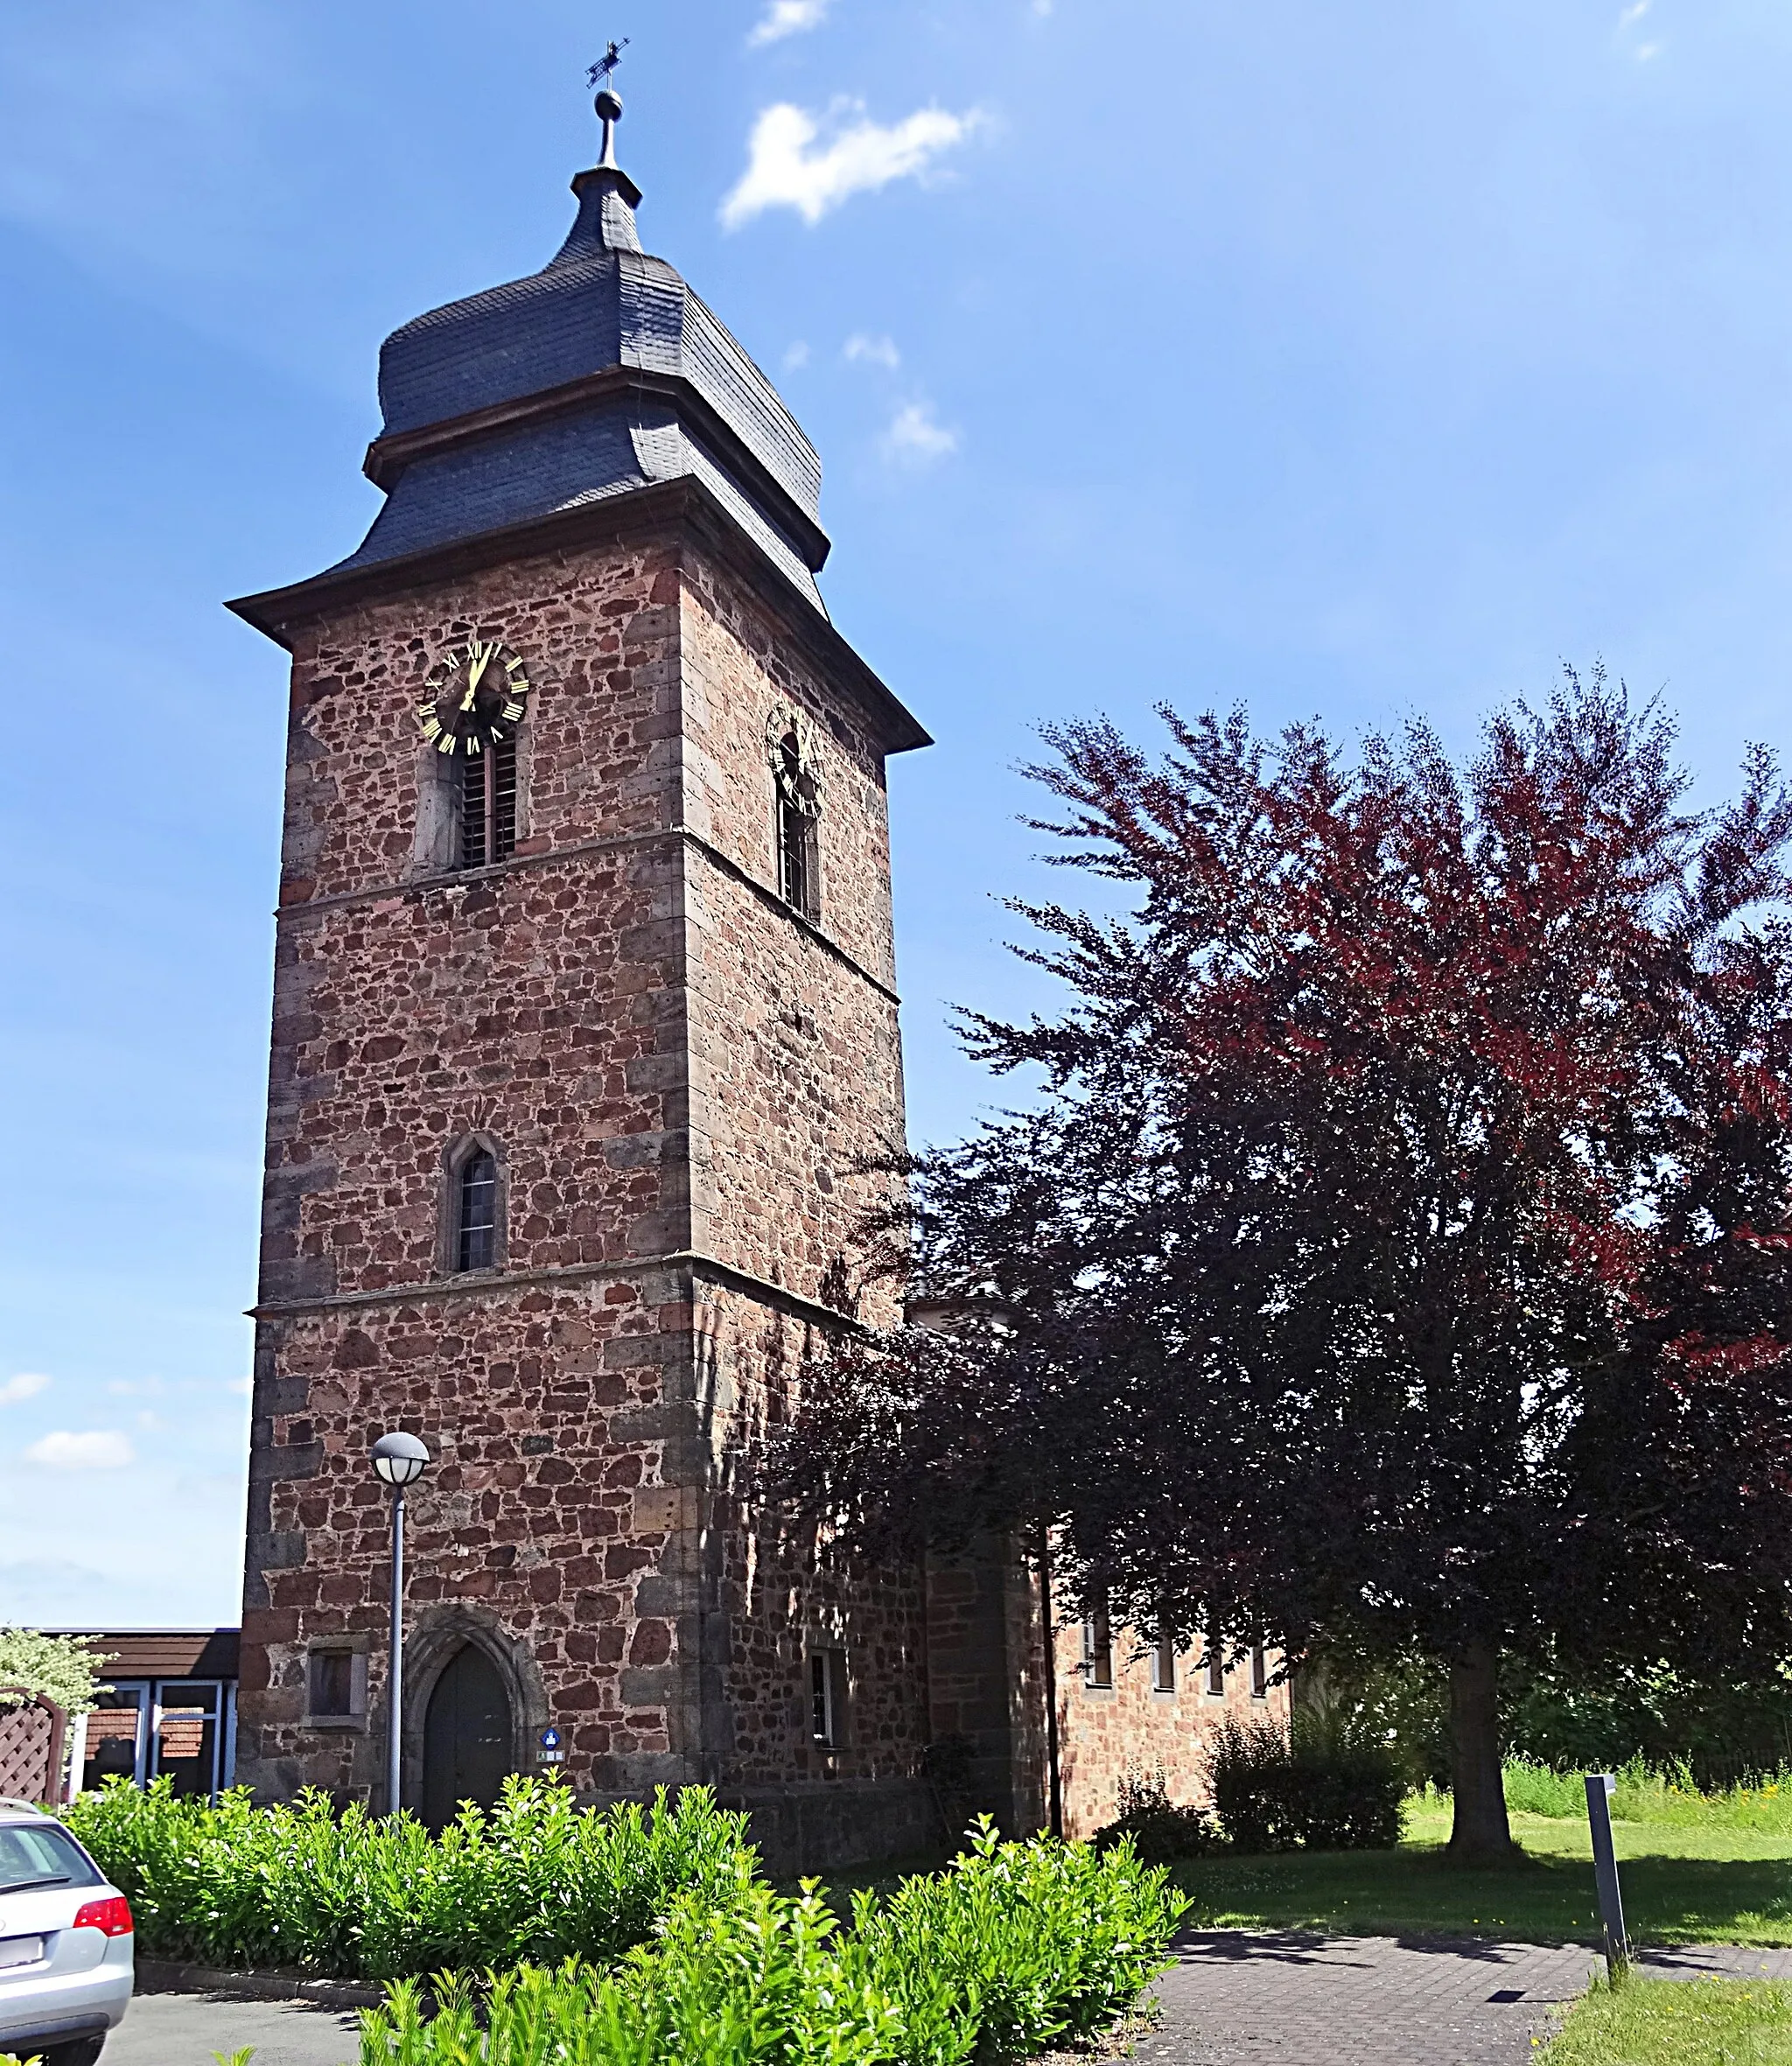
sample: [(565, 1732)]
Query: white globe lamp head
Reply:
[(400, 1460)]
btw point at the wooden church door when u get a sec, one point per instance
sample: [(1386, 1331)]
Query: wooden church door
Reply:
[(467, 1737)]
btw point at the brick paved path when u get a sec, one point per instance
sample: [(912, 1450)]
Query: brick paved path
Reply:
[(1236, 1998)]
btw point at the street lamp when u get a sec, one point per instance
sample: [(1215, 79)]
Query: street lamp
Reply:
[(398, 1461)]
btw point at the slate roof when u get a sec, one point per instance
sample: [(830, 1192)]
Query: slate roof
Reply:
[(601, 373)]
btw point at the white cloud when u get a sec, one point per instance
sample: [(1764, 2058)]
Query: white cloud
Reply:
[(788, 17), (877, 351), (1628, 19), (914, 440), (100, 1449), (245, 1385), (26, 1385), (795, 356), (788, 166)]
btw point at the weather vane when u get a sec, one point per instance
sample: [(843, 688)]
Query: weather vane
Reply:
[(599, 74), (609, 101)]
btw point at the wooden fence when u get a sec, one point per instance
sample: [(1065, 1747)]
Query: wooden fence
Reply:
[(32, 1730)]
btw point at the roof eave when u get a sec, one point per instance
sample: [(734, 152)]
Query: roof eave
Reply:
[(388, 456), (279, 613)]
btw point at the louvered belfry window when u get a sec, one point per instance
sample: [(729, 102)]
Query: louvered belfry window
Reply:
[(477, 1247), (797, 802), (488, 805)]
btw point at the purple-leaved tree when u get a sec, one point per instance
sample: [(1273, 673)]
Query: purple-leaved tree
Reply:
[(1398, 1256)]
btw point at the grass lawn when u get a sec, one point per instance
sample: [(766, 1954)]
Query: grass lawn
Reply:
[(1685, 1881), (1678, 2023)]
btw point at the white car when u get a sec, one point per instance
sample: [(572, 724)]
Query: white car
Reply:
[(66, 1944)]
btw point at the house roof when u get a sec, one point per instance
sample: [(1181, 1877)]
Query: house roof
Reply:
[(163, 1653)]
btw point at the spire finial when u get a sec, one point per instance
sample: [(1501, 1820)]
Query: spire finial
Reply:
[(609, 101)]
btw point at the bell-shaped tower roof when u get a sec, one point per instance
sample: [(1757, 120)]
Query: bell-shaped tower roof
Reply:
[(601, 373)]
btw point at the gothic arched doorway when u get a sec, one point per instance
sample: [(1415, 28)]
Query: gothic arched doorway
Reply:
[(467, 1737)]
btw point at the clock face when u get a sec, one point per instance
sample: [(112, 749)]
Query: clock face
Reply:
[(474, 696)]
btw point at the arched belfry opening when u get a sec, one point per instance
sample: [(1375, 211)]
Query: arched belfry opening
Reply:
[(469, 1737)]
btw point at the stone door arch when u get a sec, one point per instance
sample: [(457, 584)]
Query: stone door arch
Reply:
[(436, 1640)]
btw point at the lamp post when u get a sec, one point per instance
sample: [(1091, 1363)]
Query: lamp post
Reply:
[(398, 1461)]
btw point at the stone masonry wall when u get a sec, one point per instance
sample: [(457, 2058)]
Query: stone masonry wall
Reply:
[(986, 1688), (597, 629), (1103, 1734), (544, 1003), (631, 1017), (796, 1083), (782, 1591), (551, 1412), (736, 668), (796, 1073)]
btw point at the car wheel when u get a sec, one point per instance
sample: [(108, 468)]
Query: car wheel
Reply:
[(83, 2052)]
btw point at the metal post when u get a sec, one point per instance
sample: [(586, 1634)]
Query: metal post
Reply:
[(1599, 1788), (394, 1681)]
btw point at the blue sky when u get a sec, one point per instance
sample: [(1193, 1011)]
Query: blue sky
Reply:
[(1349, 360)]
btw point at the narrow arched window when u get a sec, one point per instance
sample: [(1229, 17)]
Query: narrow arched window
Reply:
[(488, 805), (798, 803), (476, 1244)]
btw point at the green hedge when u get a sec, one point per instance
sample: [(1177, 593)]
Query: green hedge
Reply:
[(1016, 1947), (345, 1894), (1322, 1786), (636, 1938)]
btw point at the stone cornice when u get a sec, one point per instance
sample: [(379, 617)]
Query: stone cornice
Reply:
[(487, 1283), (466, 878)]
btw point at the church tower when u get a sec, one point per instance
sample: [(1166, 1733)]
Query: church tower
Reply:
[(584, 1025)]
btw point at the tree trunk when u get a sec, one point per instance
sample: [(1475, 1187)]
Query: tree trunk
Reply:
[(1481, 1833)]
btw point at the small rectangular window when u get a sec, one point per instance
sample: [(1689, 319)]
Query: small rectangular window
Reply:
[(1097, 1651), (796, 801), (796, 860), (184, 1740), (1163, 1666), (333, 1683), (488, 805), (826, 1697), (1259, 1673), (476, 1247), (116, 1737), (503, 820), (1217, 1667)]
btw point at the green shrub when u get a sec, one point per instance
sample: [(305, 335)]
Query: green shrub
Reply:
[(1042, 1939), (65, 1667), (354, 1896), (1012, 1948), (1324, 1786), (757, 1983), (1162, 1830)]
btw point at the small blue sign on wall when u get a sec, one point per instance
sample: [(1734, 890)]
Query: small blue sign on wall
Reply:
[(551, 1753)]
